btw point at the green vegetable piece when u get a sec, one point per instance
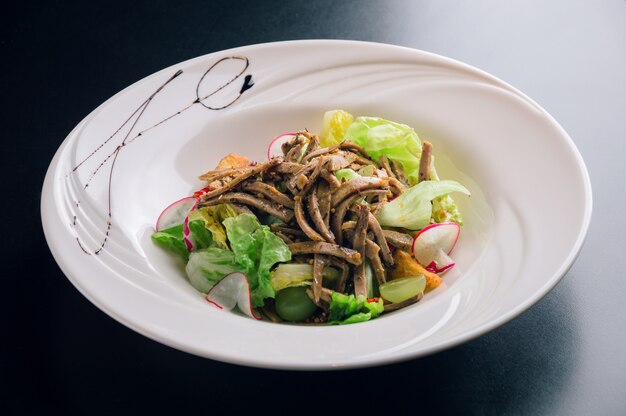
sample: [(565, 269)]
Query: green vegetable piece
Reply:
[(171, 243), (213, 217), (293, 304), (399, 290), (207, 267), (347, 309), (200, 235), (382, 137), (298, 274), (368, 170), (171, 239), (413, 208), (344, 175), (400, 143), (444, 207), (256, 249), (334, 126)]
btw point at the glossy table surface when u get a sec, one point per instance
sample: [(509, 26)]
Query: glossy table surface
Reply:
[(566, 355)]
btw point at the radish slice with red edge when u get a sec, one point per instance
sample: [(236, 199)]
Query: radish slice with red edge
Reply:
[(187, 231), (275, 149), (433, 244), (442, 264), (233, 290), (176, 213)]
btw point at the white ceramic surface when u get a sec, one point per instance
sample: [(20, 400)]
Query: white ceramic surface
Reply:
[(525, 221)]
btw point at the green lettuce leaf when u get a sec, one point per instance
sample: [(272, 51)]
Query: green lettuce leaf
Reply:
[(413, 209), (334, 126), (256, 249), (171, 239), (399, 142), (207, 267), (394, 140), (200, 235), (348, 309), (213, 217), (444, 207), (345, 175), (299, 274)]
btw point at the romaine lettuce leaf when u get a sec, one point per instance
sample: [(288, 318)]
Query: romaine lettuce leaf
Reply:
[(171, 239), (413, 208), (256, 249), (298, 274), (334, 126), (444, 207), (207, 267), (348, 309), (345, 175), (213, 217), (382, 137), (200, 235)]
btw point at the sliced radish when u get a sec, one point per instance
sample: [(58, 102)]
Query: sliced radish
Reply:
[(176, 213), (433, 244), (442, 264), (232, 290), (275, 149), (187, 230)]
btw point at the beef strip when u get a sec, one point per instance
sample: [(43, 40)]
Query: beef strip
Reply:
[(269, 191), (319, 166), (331, 179), (385, 164), (292, 183), (325, 295), (372, 251), (319, 263), (354, 147), (302, 221), (314, 144), (390, 307), (339, 213), (240, 178), (315, 214), (319, 152), (284, 237), (338, 161), (396, 186), (425, 161), (399, 172), (363, 161), (214, 175), (360, 231), (287, 230), (399, 240), (377, 264), (323, 198), (288, 167), (294, 148), (375, 227), (271, 208), (340, 284), (357, 185), (320, 247)]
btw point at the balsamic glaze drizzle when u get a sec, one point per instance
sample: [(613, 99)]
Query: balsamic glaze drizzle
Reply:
[(134, 119)]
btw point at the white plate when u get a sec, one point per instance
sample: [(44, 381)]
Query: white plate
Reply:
[(525, 222)]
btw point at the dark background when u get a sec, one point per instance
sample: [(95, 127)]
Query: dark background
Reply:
[(60, 353)]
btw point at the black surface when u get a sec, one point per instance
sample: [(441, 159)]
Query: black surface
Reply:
[(60, 353)]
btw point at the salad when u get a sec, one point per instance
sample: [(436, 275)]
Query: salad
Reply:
[(338, 227)]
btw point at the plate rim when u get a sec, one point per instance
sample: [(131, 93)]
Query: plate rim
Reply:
[(47, 199)]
